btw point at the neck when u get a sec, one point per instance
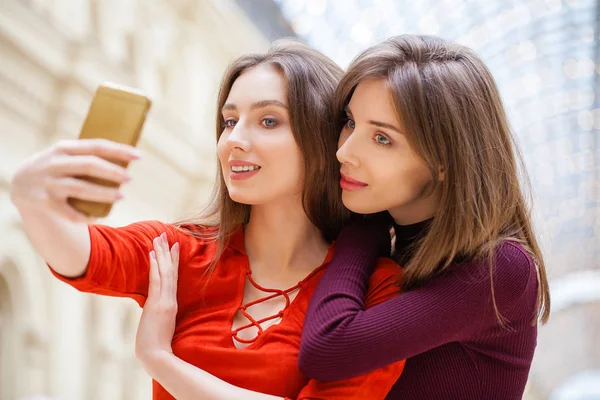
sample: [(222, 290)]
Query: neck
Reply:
[(280, 238)]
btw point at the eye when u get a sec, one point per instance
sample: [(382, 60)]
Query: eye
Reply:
[(230, 123), (269, 122), (382, 140), (350, 124)]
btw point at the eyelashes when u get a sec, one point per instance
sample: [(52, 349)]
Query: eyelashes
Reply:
[(267, 122), (379, 138)]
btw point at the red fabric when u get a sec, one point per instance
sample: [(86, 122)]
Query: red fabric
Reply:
[(274, 293), (119, 266)]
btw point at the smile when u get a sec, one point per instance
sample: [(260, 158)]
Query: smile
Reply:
[(244, 168)]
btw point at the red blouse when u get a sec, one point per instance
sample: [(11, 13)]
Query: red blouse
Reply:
[(119, 266)]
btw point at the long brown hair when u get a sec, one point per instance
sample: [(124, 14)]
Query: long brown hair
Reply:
[(449, 104), (311, 81)]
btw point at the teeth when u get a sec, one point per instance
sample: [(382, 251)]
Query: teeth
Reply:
[(244, 168)]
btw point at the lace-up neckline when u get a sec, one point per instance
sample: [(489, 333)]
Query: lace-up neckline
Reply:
[(270, 294)]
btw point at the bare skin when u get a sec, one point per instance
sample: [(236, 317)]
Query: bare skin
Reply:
[(40, 188)]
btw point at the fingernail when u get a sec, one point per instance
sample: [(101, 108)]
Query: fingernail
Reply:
[(164, 236), (120, 196), (176, 246), (126, 178), (136, 154), (152, 254)]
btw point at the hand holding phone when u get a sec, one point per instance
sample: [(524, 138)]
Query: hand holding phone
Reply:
[(117, 114), (79, 179)]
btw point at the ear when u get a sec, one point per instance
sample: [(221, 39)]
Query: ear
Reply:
[(441, 174)]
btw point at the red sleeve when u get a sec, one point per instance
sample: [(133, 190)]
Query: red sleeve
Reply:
[(119, 258), (383, 285)]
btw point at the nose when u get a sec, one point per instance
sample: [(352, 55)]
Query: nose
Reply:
[(239, 138), (347, 151)]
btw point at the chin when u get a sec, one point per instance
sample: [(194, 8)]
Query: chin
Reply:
[(244, 197), (359, 204)]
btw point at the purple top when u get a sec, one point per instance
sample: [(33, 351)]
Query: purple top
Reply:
[(446, 328)]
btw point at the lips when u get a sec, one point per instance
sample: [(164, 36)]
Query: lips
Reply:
[(240, 163), (242, 170), (350, 184)]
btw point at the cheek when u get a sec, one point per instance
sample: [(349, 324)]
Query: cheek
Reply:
[(409, 181), (292, 161), (400, 174), (417, 172), (289, 161)]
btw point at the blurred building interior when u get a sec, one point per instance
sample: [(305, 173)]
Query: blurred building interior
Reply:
[(545, 55)]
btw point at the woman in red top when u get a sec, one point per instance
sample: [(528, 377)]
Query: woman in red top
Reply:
[(248, 266)]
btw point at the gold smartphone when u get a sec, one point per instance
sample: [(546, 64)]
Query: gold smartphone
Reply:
[(116, 113)]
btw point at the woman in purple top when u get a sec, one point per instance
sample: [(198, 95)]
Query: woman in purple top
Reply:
[(426, 138)]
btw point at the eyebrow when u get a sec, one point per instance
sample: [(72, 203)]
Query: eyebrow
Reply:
[(377, 123), (257, 105)]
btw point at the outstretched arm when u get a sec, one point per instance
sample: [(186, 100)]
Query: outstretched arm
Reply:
[(42, 184)]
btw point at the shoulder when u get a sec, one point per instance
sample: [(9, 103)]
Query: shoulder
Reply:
[(514, 276), (201, 240), (200, 232), (513, 264), (385, 281)]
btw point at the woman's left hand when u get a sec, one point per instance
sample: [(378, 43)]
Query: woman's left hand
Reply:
[(181, 379), (157, 324)]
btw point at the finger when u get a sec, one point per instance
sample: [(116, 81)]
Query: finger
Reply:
[(63, 188), (165, 268), (154, 278), (164, 248), (162, 259), (88, 166), (165, 245), (175, 261), (157, 249), (99, 147), (175, 269)]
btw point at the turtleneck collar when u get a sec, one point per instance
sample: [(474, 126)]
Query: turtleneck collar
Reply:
[(408, 234)]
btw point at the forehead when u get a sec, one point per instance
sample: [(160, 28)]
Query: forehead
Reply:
[(373, 96), (262, 82)]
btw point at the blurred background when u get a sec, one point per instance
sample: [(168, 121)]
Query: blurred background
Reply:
[(545, 54)]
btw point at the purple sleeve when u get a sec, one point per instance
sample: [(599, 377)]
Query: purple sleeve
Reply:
[(341, 339)]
